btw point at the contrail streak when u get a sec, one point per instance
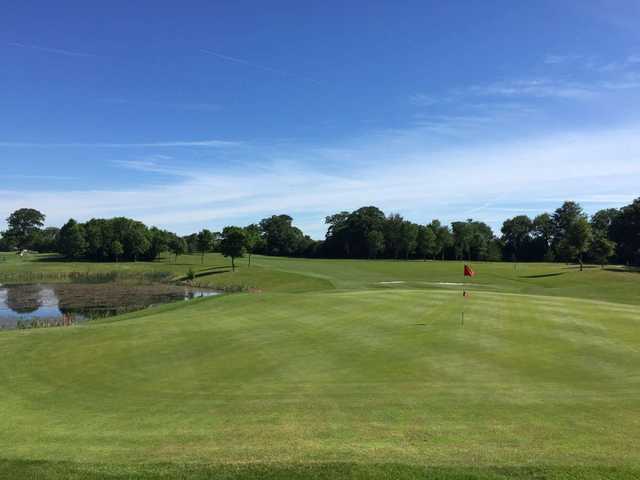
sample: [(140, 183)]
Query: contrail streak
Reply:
[(255, 65), (59, 51)]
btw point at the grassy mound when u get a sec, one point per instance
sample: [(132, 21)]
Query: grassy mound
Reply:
[(327, 370)]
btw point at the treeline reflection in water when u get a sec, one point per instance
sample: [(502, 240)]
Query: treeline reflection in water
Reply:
[(63, 304)]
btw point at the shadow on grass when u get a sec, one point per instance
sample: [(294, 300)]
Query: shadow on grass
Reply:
[(26, 469), (193, 265), (57, 259), (63, 259), (205, 273), (208, 273), (622, 270), (543, 275)]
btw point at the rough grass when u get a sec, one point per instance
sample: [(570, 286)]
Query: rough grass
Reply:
[(323, 372), (321, 471)]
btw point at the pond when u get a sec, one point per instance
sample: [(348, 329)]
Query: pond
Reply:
[(61, 304)]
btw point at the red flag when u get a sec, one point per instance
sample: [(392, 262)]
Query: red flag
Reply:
[(468, 272)]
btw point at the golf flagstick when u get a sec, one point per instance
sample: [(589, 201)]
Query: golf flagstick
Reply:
[(468, 272), (464, 293)]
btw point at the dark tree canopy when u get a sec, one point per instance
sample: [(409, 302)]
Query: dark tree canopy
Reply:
[(253, 240), (564, 220), (205, 243), (543, 232), (24, 225), (375, 243), (601, 249), (281, 237), (177, 246), (72, 240), (517, 236), (472, 240), (233, 244), (625, 231), (113, 239), (567, 234), (348, 234), (426, 243), (444, 239)]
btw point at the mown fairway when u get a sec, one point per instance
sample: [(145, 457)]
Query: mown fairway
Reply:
[(325, 369)]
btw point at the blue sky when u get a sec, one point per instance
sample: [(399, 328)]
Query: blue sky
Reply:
[(203, 114)]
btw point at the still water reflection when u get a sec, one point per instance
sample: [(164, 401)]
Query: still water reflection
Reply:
[(32, 305)]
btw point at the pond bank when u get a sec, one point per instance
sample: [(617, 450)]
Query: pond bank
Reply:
[(60, 304)]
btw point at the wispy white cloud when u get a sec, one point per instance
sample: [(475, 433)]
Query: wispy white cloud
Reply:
[(593, 79), (565, 59), (394, 171), (424, 100), (593, 63), (538, 88), (57, 51), (472, 118), (152, 164), (630, 80)]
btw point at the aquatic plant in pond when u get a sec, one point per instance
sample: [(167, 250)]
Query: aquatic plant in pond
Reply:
[(61, 304), (85, 277)]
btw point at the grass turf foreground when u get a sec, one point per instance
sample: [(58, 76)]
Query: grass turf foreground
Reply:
[(337, 369), (326, 471)]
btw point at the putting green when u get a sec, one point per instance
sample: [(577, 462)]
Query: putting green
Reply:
[(333, 374)]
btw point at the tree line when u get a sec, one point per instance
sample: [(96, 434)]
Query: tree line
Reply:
[(567, 234)]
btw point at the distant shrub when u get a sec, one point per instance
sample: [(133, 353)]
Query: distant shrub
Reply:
[(191, 274)]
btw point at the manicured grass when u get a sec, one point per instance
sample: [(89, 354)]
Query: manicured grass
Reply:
[(322, 371)]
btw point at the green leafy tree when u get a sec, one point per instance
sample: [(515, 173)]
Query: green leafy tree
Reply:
[(393, 231), (46, 240), (426, 243), (348, 233), (253, 239), (116, 249), (625, 231), (6, 243), (359, 224), (337, 241), (443, 236), (205, 243), (602, 220), (516, 235), (158, 242), (98, 241), (281, 237), (543, 233), (135, 240), (494, 250), (602, 249), (233, 244), (563, 220), (72, 240), (462, 233), (23, 226), (409, 238), (177, 246), (375, 243), (192, 243), (576, 240), (472, 239)]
